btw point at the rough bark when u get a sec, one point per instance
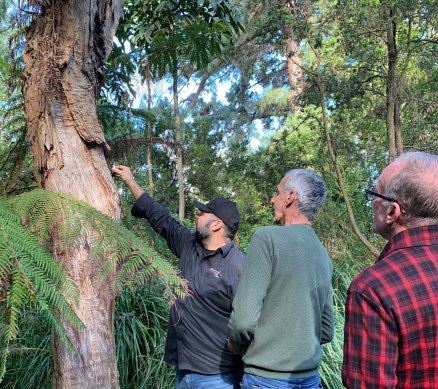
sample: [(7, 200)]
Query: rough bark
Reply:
[(66, 47)]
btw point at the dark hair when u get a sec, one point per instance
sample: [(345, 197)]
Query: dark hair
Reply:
[(415, 187), (310, 188), (228, 232)]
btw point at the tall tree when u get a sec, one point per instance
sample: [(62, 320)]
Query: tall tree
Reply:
[(389, 39), (181, 37), (67, 44)]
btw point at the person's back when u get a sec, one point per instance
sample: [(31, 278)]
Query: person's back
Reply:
[(283, 309), (391, 312), (404, 281), (291, 264)]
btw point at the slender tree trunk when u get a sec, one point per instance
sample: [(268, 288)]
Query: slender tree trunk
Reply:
[(179, 161), (397, 126), (67, 45), (149, 148), (322, 101), (401, 82), (294, 63), (201, 87), (392, 113)]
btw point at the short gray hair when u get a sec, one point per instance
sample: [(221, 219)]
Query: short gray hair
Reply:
[(310, 188), (415, 187)]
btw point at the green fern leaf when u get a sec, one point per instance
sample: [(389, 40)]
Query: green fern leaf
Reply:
[(28, 273)]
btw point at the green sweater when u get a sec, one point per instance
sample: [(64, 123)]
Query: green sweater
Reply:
[(283, 309)]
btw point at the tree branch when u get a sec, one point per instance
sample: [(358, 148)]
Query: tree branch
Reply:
[(340, 179)]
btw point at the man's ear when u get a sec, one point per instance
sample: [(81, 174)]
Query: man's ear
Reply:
[(393, 213), (216, 225), (290, 197)]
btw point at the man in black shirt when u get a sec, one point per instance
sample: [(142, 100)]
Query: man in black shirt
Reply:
[(211, 263)]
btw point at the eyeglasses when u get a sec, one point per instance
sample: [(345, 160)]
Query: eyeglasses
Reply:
[(370, 196)]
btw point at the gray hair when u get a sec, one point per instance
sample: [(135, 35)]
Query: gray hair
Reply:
[(415, 187), (310, 188)]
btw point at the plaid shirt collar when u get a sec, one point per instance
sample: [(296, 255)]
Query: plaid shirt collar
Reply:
[(418, 236)]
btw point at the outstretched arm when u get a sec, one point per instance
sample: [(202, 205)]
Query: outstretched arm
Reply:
[(125, 174), (176, 235)]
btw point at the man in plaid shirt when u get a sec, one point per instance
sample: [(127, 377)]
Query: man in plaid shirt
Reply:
[(391, 315)]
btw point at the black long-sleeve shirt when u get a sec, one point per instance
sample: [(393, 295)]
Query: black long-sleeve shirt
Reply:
[(198, 324)]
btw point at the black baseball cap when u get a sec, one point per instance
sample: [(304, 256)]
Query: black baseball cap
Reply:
[(224, 209)]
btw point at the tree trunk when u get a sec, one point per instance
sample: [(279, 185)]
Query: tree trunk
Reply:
[(325, 124), (397, 124), (295, 74), (178, 147), (295, 70), (67, 45), (392, 114), (149, 147)]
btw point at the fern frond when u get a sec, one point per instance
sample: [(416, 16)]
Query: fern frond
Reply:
[(38, 219), (16, 298), (29, 273), (121, 257)]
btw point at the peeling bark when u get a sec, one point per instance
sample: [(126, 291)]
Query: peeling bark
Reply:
[(67, 45)]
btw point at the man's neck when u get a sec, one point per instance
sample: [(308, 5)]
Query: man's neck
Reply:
[(296, 219), (214, 243), (292, 215)]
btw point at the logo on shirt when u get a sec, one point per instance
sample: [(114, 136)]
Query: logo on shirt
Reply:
[(216, 273)]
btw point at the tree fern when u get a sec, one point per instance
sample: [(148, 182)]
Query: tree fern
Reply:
[(29, 274), (121, 257)]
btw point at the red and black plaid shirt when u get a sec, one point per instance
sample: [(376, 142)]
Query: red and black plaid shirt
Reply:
[(391, 317)]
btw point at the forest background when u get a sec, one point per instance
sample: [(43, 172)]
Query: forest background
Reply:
[(201, 99)]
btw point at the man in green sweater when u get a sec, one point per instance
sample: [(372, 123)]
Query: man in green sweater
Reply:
[(283, 308)]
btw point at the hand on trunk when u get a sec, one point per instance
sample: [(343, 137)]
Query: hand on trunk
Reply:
[(125, 174)]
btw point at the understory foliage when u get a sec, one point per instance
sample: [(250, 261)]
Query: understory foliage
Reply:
[(140, 331), (30, 276)]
